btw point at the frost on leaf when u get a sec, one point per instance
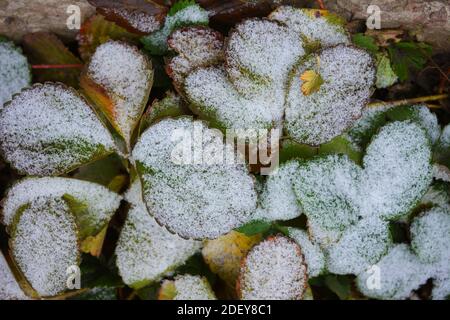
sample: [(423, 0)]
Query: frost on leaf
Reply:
[(186, 287), (187, 14), (328, 192), (224, 254), (335, 193), (44, 244), (430, 236), (248, 92), (373, 118), (196, 47), (9, 287), (49, 130), (273, 270), (146, 252), (98, 203), (318, 28), (259, 54), (135, 21), (14, 71), (400, 272), (189, 187), (347, 75), (397, 170), (360, 246), (118, 80), (314, 256), (278, 200)]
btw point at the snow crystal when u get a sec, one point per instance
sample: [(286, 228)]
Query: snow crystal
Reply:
[(312, 24), (9, 288), (127, 76), (348, 76), (195, 199), (44, 245), (400, 272), (261, 53), (430, 235), (189, 287), (196, 47), (273, 270), (397, 170), (278, 199), (14, 71), (101, 202), (146, 251), (48, 130), (314, 257), (360, 246)]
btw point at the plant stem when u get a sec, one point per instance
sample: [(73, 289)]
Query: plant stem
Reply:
[(321, 5), (56, 66), (403, 102)]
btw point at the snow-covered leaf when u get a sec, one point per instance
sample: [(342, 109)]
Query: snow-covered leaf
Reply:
[(185, 13), (14, 71), (314, 256), (146, 252), (49, 130), (348, 75), (188, 185), (96, 204), (118, 80), (273, 270), (44, 244), (186, 287), (9, 286), (316, 26), (195, 47)]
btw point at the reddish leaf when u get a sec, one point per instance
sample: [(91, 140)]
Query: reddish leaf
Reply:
[(52, 60), (96, 31)]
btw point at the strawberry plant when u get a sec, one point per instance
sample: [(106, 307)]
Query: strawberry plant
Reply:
[(116, 166)]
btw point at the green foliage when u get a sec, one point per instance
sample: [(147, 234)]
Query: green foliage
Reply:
[(366, 42), (407, 56)]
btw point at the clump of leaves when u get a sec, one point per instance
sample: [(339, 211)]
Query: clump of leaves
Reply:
[(192, 228)]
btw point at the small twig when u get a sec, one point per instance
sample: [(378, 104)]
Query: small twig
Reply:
[(56, 66), (403, 102), (321, 5)]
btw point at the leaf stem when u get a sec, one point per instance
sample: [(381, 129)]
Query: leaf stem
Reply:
[(321, 5), (403, 102), (56, 66)]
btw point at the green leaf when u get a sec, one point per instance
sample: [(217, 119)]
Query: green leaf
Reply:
[(49, 129), (183, 13), (408, 56), (340, 285), (386, 77), (254, 227), (180, 5), (365, 42)]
